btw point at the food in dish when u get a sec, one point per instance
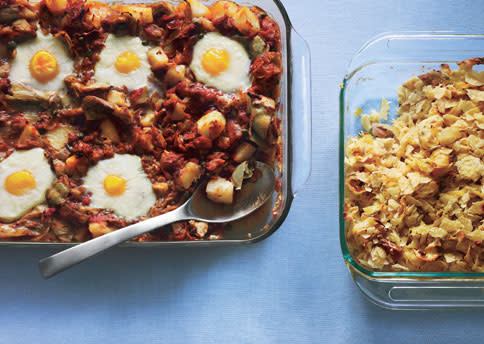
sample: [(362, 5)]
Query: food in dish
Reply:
[(123, 63), (220, 190), (211, 125), (131, 128), (221, 62), (120, 184), (42, 63), (25, 176), (413, 188)]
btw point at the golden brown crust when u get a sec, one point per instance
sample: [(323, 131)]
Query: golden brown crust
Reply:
[(414, 190)]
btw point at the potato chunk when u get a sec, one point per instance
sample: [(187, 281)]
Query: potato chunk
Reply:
[(244, 151), (56, 6), (201, 228), (141, 13), (211, 125), (147, 119), (98, 229), (178, 112), (246, 21), (161, 189), (96, 12), (75, 165), (188, 174), (220, 190), (109, 131), (221, 9), (174, 75), (28, 134), (198, 9), (59, 137), (157, 58)]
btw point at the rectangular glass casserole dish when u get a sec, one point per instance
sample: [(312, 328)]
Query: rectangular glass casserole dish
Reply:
[(293, 96), (375, 72)]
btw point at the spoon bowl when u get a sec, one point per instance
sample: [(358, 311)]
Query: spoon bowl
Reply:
[(252, 195), (248, 199)]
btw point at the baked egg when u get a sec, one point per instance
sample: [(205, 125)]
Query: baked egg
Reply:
[(221, 62), (25, 176), (123, 62), (41, 63), (120, 184)]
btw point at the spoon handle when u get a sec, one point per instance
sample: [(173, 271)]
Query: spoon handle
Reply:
[(63, 260)]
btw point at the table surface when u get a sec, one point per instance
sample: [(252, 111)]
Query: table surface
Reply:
[(292, 287)]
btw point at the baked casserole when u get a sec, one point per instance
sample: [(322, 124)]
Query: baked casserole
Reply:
[(414, 192), (110, 114)]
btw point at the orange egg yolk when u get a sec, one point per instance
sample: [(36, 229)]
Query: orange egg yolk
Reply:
[(215, 61), (19, 183), (127, 62), (43, 66), (114, 185)]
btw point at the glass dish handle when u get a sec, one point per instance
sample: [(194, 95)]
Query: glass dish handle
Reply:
[(422, 294), (301, 111)]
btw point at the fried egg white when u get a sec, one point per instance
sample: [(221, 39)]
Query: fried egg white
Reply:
[(25, 176), (120, 184), (123, 62), (221, 62), (41, 63)]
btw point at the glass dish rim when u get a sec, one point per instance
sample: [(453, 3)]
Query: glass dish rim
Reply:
[(350, 71), (287, 190)]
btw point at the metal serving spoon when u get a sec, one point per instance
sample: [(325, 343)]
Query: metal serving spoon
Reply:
[(197, 207)]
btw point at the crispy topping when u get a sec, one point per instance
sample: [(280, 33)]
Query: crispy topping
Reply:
[(415, 189)]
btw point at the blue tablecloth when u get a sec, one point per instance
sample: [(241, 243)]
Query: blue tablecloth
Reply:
[(291, 288)]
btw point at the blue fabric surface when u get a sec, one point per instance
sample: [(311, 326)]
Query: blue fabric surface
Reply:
[(291, 288)]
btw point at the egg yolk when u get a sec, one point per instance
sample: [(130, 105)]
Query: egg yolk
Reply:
[(43, 66), (19, 183), (215, 61), (114, 185), (127, 62)]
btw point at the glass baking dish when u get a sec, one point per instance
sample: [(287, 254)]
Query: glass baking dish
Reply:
[(295, 114), (375, 72)]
